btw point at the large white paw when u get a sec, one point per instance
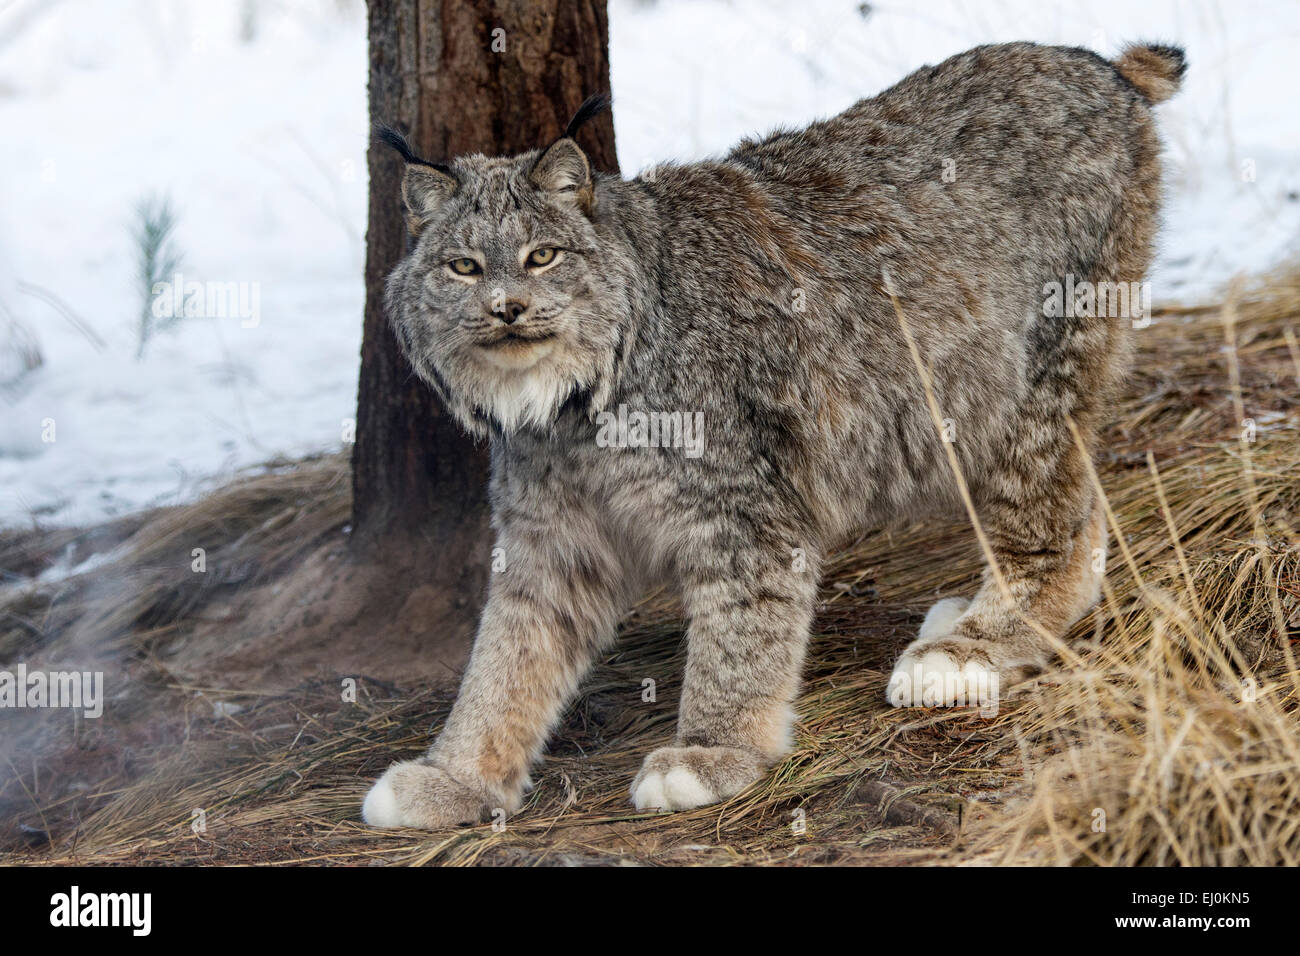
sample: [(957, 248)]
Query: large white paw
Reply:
[(941, 670), (932, 675), (416, 794), (678, 789), (682, 778)]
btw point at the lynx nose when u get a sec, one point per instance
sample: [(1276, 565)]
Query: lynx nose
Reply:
[(511, 311)]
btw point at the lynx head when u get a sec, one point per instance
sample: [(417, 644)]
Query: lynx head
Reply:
[(508, 303)]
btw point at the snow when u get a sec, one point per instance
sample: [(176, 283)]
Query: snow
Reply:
[(690, 79), (259, 139)]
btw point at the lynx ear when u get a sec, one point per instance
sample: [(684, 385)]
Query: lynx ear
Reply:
[(425, 185), (563, 171), (424, 189)]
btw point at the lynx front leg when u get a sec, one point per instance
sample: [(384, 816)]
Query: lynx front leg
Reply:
[(750, 614), (547, 615)]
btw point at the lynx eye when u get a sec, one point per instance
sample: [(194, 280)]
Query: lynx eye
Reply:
[(542, 256), (464, 267)]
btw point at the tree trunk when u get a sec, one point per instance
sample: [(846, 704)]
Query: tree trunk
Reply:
[(495, 77)]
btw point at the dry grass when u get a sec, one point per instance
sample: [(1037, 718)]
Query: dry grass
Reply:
[(1173, 739), (249, 530), (1176, 740)]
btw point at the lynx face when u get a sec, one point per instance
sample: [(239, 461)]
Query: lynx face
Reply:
[(502, 305)]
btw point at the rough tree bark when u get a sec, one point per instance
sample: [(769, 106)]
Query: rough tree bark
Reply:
[(498, 76)]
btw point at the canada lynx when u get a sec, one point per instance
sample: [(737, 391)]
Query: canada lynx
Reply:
[(754, 296)]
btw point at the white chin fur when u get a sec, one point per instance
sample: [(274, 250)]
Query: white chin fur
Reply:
[(527, 396)]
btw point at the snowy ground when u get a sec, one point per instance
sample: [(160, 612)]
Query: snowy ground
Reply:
[(256, 128)]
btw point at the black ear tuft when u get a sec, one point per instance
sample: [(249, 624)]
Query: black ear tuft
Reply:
[(391, 137), (591, 107)]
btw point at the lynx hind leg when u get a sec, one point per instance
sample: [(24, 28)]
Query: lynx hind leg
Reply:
[(968, 652)]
